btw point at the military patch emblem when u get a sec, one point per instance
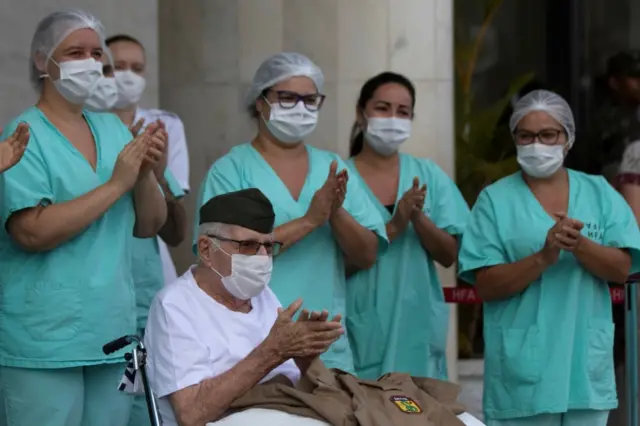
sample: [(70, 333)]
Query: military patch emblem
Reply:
[(406, 405)]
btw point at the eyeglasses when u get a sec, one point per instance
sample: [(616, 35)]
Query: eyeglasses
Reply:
[(546, 136), (251, 247), (288, 100)]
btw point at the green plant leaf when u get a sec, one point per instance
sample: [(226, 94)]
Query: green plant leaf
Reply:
[(484, 149), (495, 171)]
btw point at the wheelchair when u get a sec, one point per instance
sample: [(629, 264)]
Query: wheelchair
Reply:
[(137, 357)]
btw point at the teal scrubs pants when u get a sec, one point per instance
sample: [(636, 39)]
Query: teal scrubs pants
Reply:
[(139, 412), (570, 418), (79, 396)]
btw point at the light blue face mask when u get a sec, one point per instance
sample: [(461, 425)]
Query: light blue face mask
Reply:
[(291, 125)]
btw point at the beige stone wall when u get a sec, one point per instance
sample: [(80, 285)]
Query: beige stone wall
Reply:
[(210, 49)]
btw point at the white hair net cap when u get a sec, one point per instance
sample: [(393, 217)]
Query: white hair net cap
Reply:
[(549, 102), (281, 67), (52, 31)]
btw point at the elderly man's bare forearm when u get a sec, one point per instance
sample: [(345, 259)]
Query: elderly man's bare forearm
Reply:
[(150, 207), (211, 398), (42, 228), (359, 244)]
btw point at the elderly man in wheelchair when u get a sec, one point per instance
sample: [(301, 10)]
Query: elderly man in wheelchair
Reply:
[(222, 350)]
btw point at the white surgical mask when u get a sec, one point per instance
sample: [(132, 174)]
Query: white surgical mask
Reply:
[(130, 88), (104, 96), (249, 274), (293, 124), (539, 160), (78, 79), (385, 135)]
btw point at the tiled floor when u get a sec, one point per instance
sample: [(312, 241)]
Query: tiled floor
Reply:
[(470, 373)]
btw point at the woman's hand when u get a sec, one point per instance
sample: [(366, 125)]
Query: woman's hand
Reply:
[(127, 168), (156, 136), (135, 128), (341, 193), (568, 236), (411, 201), (419, 206), (323, 203), (550, 251), (12, 149)]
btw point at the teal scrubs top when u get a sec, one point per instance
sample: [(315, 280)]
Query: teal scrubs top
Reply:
[(60, 306), (548, 349), (146, 265), (313, 269), (396, 314)]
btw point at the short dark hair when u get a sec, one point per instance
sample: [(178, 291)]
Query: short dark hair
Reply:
[(366, 93), (122, 37)]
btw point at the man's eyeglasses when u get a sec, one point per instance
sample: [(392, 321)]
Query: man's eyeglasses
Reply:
[(546, 136), (251, 247), (288, 100)]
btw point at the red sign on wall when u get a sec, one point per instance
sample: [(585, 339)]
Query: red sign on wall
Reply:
[(469, 295)]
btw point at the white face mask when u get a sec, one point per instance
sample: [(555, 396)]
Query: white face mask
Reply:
[(385, 135), (104, 96), (130, 88), (291, 125), (539, 160), (249, 274), (78, 79)]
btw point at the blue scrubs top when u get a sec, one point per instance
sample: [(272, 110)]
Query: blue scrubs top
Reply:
[(548, 349), (296, 271), (60, 306), (385, 303)]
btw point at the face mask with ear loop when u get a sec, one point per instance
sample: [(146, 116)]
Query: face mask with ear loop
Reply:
[(249, 274), (290, 125), (78, 79), (105, 95), (130, 88), (386, 134), (539, 160)]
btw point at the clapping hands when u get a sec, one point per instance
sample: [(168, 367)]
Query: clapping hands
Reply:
[(567, 235), (307, 337), (12, 149), (410, 205), (155, 155), (330, 197), (564, 235), (140, 156)]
